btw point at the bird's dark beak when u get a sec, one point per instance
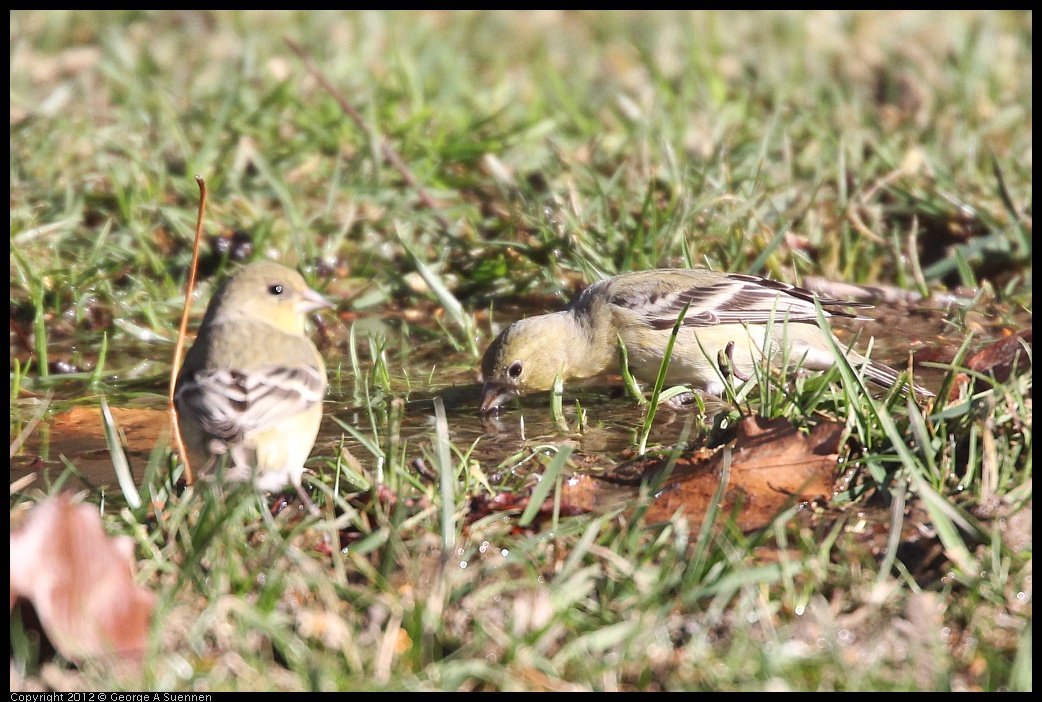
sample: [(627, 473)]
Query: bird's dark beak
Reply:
[(493, 396)]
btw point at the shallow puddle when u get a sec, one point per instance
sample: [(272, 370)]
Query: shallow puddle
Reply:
[(504, 445)]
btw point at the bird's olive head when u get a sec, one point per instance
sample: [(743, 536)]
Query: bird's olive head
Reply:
[(270, 292), (526, 357)]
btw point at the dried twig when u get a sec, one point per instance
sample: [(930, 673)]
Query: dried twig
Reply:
[(182, 331)]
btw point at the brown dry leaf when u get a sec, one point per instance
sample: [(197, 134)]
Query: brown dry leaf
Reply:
[(81, 583), (772, 467), (579, 494), (583, 493), (998, 359)]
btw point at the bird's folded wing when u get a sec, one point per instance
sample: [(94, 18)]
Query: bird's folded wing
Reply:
[(737, 299), (232, 403)]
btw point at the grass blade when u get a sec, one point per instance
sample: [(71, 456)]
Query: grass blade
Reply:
[(119, 457), (447, 475), (547, 481), (660, 380)]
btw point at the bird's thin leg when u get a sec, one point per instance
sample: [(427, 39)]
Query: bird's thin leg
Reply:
[(305, 499)]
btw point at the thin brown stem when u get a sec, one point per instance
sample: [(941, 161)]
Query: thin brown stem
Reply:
[(182, 331)]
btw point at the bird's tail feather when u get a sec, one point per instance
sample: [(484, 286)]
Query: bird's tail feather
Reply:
[(885, 375)]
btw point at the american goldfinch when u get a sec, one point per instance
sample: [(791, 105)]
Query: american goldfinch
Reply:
[(252, 384), (727, 314)]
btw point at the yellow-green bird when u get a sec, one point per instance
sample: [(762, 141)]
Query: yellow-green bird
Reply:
[(252, 385), (727, 313)]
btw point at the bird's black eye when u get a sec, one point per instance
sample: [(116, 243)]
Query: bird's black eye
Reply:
[(515, 369), (275, 289)]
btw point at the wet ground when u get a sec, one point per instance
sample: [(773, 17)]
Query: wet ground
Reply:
[(67, 443), (71, 432)]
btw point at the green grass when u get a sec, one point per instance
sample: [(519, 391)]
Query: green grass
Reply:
[(886, 149)]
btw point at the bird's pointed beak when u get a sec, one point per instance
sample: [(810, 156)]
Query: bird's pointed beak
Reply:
[(312, 302), (493, 396)]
